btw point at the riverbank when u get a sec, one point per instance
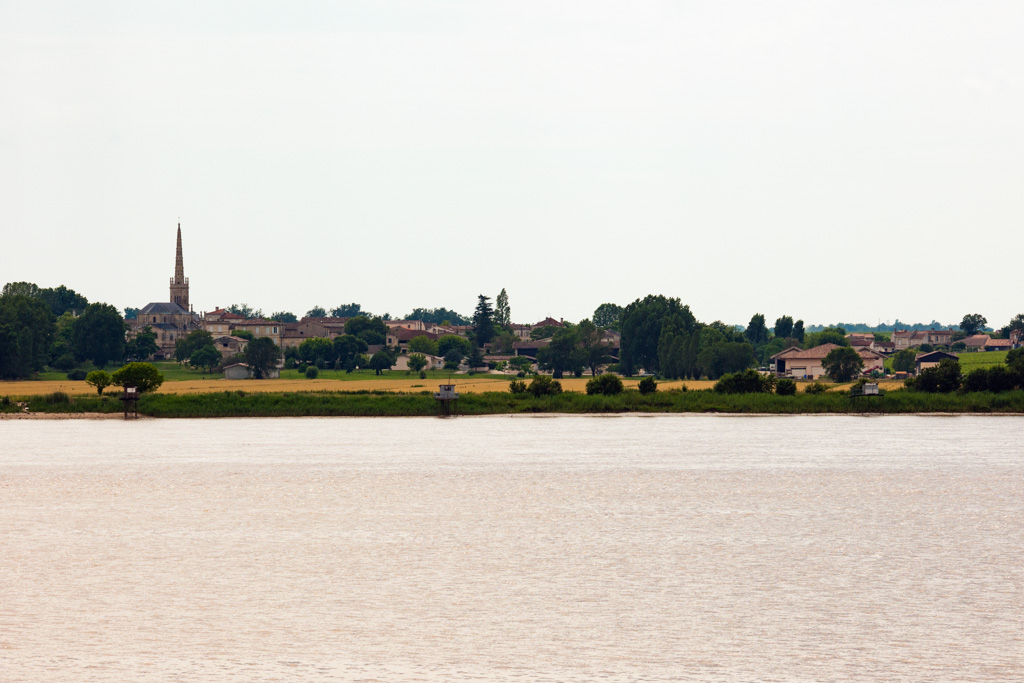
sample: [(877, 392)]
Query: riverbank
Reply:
[(387, 404)]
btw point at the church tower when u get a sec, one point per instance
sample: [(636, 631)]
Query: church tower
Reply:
[(179, 283)]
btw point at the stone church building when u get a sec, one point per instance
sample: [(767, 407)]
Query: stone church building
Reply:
[(169, 320)]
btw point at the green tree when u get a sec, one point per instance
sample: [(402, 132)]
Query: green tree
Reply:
[(784, 326), (62, 300), (642, 323), (542, 385), (143, 376), (205, 357), (347, 349), (371, 330), (1016, 324), (829, 335), (185, 346), (544, 332), (100, 379), (502, 312), (317, 349), (347, 310), (745, 382), (130, 313), (725, 357), (245, 310), (607, 316), (483, 320), (284, 317), (417, 361), (29, 289), (382, 360), (973, 323), (262, 356), (98, 334), (317, 312), (756, 332), (607, 385), (453, 341), (142, 345), (798, 330), (243, 334), (505, 342), (595, 352), (944, 378), (475, 358), (452, 358), (26, 335), (423, 344), (904, 361), (842, 364), (563, 354), (438, 316)]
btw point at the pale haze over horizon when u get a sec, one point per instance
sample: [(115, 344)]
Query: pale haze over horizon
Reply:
[(854, 162)]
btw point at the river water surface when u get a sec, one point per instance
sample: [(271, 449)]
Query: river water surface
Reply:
[(523, 549)]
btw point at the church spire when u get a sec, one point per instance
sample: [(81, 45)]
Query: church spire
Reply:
[(179, 283), (179, 263)]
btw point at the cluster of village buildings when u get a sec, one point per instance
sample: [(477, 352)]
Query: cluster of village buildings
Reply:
[(175, 319)]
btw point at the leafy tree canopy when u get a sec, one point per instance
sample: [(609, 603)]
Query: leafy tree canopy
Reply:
[(187, 345), (348, 310), (502, 312), (61, 300), (453, 341), (757, 331), (205, 357), (98, 334), (262, 356), (437, 316), (642, 323), (423, 344), (973, 323), (143, 376), (607, 316), (26, 333), (347, 349), (417, 361), (245, 310), (142, 346), (100, 379), (371, 330), (784, 326), (483, 320), (842, 364), (284, 317), (317, 312), (316, 349), (130, 313)]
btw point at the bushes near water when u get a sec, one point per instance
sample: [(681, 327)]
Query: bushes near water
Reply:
[(606, 385)]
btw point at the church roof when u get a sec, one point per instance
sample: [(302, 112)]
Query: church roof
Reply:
[(163, 308)]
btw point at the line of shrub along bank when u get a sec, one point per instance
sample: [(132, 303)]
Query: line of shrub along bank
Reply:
[(386, 404)]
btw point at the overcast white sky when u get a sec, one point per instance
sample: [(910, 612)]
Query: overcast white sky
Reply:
[(854, 161)]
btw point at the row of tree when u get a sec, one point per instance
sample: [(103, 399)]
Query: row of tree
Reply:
[(58, 327)]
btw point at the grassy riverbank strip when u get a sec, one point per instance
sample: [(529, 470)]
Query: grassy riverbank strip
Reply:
[(389, 404)]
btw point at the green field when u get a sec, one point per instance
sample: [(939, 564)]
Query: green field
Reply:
[(172, 371), (970, 361), (981, 359)]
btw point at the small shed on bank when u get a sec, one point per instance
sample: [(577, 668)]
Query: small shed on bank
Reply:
[(237, 371)]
